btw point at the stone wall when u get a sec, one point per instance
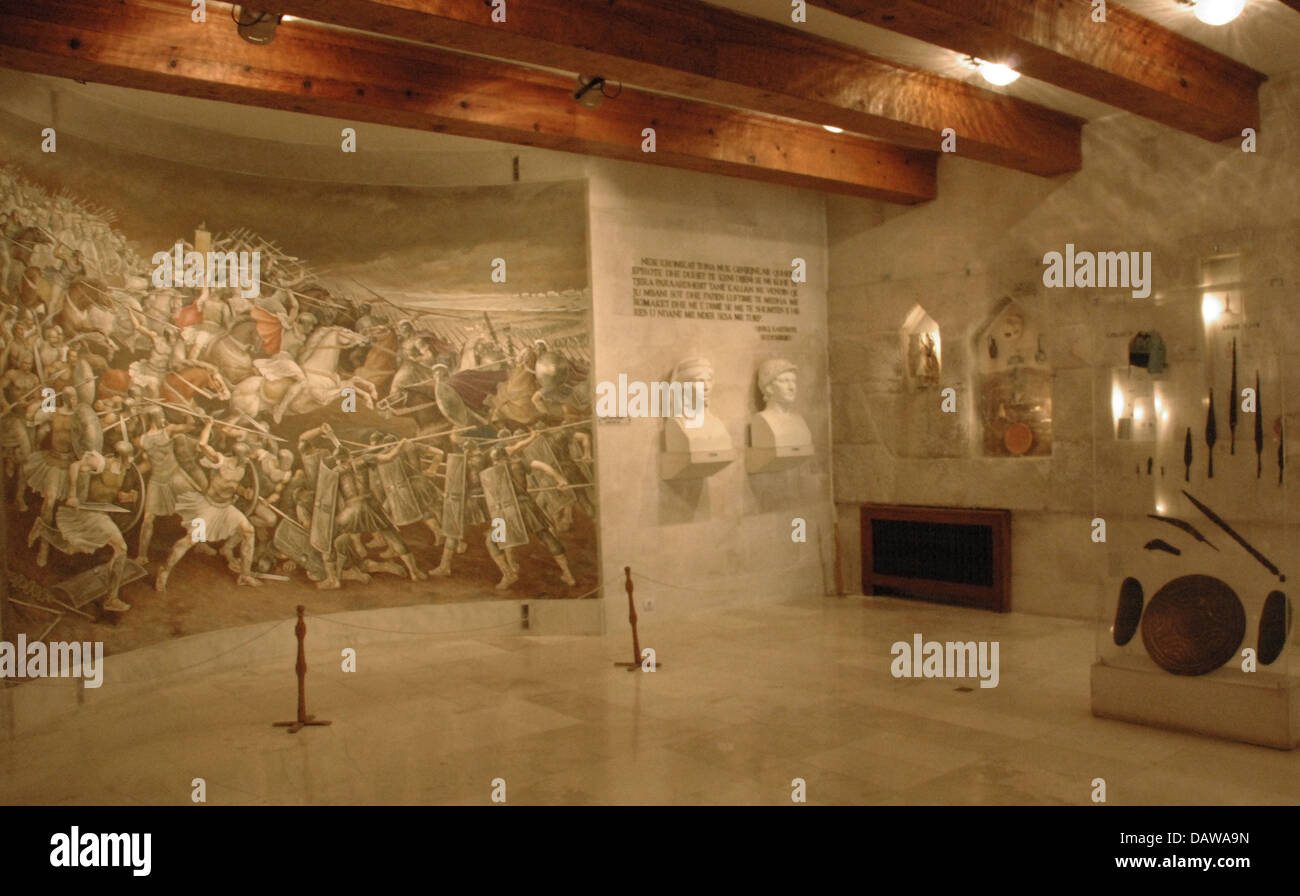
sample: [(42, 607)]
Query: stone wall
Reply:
[(1143, 188)]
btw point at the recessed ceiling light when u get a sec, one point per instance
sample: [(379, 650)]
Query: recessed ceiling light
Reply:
[(997, 73), (833, 129), (1218, 12)]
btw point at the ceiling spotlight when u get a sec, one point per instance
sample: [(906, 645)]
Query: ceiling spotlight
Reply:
[(996, 73), (833, 129), (255, 26), (591, 91), (1217, 12)]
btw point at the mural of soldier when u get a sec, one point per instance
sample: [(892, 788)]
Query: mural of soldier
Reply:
[(505, 490), (211, 516)]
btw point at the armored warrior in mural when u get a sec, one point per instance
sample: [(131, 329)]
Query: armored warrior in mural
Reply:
[(464, 505), (19, 388), (359, 515), (167, 481), (83, 522), (215, 320), (68, 267), (47, 469), (52, 358), (555, 399), (167, 353), (284, 364), (211, 515), (274, 472), (407, 493), (573, 450), (505, 489)]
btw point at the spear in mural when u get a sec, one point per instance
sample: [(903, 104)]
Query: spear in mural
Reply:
[(1259, 431), (1187, 456), (1232, 403), (1211, 432)]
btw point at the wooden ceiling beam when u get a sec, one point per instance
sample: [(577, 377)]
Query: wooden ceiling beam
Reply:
[(1128, 61), (154, 45), (706, 53)]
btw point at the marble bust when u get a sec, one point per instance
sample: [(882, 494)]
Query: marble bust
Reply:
[(696, 443), (778, 436)]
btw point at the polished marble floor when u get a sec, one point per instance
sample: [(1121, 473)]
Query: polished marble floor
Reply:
[(746, 701)]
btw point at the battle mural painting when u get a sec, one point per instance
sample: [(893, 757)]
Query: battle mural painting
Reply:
[(217, 409)]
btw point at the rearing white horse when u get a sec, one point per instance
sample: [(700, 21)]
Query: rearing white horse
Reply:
[(320, 385)]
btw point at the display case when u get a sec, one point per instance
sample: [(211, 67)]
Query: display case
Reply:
[(1193, 513)]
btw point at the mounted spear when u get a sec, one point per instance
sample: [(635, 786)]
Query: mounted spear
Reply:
[(1211, 432), (1232, 402)]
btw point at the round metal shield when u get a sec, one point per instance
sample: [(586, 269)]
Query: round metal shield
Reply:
[(1193, 625)]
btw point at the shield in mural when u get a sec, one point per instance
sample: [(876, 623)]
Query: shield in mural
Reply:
[(453, 502), (322, 516), (250, 490), (499, 492), (134, 488), (95, 582), (294, 542), (400, 499), (553, 501)]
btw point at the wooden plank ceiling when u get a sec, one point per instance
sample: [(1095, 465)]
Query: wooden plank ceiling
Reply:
[(724, 93)]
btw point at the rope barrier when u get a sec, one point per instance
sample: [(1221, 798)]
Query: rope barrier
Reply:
[(218, 656), (513, 623), (746, 590), (276, 625)]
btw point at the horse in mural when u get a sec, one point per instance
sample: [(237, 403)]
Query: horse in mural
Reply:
[(258, 395), (234, 351), (381, 359), (181, 386)]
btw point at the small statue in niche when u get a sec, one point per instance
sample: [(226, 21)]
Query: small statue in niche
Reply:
[(778, 436), (923, 359), (699, 445), (928, 369)]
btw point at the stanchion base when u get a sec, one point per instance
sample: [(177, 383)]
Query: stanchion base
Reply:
[(632, 667), (295, 727)]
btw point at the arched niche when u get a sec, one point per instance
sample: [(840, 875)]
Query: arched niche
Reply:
[(1013, 378)]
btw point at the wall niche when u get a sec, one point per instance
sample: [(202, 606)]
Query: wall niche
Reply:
[(1013, 380)]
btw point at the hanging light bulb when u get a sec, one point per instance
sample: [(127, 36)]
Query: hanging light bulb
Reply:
[(1218, 12)]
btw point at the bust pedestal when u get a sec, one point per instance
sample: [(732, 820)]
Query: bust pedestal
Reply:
[(695, 452), (777, 441)]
